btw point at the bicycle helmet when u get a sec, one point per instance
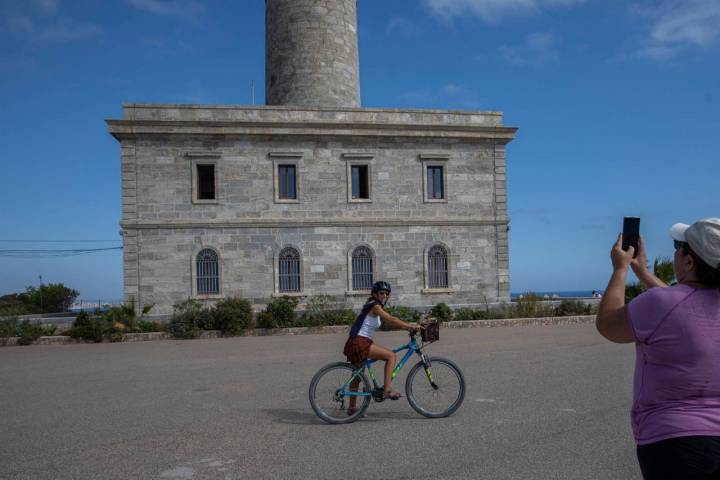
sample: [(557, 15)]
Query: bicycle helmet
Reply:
[(381, 286)]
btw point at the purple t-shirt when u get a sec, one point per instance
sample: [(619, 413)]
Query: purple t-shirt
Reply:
[(677, 364)]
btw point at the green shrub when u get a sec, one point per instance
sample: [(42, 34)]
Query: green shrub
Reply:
[(186, 318), (13, 305), (531, 305), (406, 314), (29, 332), (48, 330), (8, 328), (232, 315), (50, 297), (114, 334), (149, 327), (87, 328), (264, 319), (323, 310), (343, 316), (319, 304), (110, 325), (441, 312), (279, 313), (464, 314), (124, 319), (205, 319), (573, 307), (663, 268), (632, 290)]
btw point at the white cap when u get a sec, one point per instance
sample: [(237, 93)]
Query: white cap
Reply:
[(703, 237)]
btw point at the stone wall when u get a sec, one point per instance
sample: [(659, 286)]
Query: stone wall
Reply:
[(159, 188), (164, 227), (248, 257)]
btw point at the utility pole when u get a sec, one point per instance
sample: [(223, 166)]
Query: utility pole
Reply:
[(41, 301)]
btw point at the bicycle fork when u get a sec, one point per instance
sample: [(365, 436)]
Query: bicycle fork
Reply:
[(428, 373)]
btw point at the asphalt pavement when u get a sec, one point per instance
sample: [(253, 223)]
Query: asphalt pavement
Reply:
[(542, 402)]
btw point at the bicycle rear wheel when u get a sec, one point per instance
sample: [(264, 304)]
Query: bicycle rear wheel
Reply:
[(437, 392), (327, 397)]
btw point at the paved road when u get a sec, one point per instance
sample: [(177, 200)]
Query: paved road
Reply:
[(542, 402)]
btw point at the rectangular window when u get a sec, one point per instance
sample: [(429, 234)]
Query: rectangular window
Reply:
[(435, 187), (286, 178), (360, 182), (206, 182)]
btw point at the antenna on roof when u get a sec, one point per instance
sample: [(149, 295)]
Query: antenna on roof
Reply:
[(252, 90)]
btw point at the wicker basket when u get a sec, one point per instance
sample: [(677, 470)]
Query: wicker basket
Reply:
[(431, 332)]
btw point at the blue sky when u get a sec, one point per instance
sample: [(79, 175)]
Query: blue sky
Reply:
[(618, 104)]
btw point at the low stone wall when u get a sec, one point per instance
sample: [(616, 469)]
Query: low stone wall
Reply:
[(522, 322), (260, 332), (64, 321)]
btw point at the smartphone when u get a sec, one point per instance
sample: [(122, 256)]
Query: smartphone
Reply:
[(631, 233)]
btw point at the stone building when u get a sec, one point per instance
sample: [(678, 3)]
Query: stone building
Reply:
[(312, 194)]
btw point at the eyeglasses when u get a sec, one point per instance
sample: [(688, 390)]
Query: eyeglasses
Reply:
[(679, 245)]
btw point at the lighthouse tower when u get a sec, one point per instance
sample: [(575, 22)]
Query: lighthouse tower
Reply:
[(311, 53)]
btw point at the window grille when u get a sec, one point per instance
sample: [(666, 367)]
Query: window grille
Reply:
[(437, 267), (362, 269), (208, 272), (288, 183), (435, 187), (289, 270)]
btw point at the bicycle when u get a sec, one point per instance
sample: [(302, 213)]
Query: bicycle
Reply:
[(438, 393)]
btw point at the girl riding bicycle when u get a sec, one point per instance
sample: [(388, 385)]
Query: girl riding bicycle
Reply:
[(360, 346)]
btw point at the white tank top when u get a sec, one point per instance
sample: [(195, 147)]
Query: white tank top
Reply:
[(370, 324)]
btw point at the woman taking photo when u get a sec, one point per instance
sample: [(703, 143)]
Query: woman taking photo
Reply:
[(676, 331)]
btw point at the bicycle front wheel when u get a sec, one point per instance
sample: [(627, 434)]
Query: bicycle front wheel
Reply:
[(437, 391), (331, 393)]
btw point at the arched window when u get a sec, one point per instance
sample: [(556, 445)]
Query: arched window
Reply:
[(208, 272), (362, 269), (289, 270), (437, 267)]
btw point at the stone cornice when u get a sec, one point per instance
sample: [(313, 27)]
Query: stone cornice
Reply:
[(125, 129), (270, 108), (308, 223)]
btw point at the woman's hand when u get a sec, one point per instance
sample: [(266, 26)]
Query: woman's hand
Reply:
[(620, 258), (639, 264), (414, 326)]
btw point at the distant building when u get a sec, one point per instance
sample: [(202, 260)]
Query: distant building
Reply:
[(312, 194)]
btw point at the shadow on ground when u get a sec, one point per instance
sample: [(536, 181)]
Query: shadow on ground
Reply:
[(306, 416)]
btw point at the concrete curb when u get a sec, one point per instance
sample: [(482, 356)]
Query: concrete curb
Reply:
[(263, 332)]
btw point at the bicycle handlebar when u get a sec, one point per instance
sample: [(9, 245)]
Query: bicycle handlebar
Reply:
[(414, 332)]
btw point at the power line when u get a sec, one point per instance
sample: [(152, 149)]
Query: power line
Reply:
[(53, 253), (56, 241)]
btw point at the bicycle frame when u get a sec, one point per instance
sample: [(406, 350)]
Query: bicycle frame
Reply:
[(411, 347)]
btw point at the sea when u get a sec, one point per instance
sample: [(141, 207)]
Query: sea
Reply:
[(559, 293)]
